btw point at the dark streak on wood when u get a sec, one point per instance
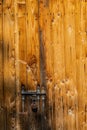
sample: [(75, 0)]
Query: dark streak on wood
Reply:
[(42, 60)]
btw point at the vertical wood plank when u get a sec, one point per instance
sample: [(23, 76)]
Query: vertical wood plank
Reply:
[(70, 66), (81, 56), (32, 44), (21, 65), (47, 45), (2, 124), (16, 36), (9, 63), (59, 67)]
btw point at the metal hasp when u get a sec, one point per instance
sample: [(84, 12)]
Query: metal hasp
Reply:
[(36, 96)]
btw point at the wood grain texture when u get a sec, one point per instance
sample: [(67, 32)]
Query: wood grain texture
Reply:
[(2, 124), (45, 42), (9, 63)]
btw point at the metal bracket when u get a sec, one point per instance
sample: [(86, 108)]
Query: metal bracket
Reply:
[(36, 95)]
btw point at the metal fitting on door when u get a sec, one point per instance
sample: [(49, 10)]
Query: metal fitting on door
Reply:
[(35, 95)]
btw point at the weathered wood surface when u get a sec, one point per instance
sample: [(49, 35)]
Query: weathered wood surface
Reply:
[(2, 126), (9, 63), (58, 27)]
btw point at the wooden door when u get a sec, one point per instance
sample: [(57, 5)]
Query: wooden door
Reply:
[(43, 42)]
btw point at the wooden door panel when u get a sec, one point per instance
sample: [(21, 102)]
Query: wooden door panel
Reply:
[(1, 70), (43, 42), (9, 64)]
